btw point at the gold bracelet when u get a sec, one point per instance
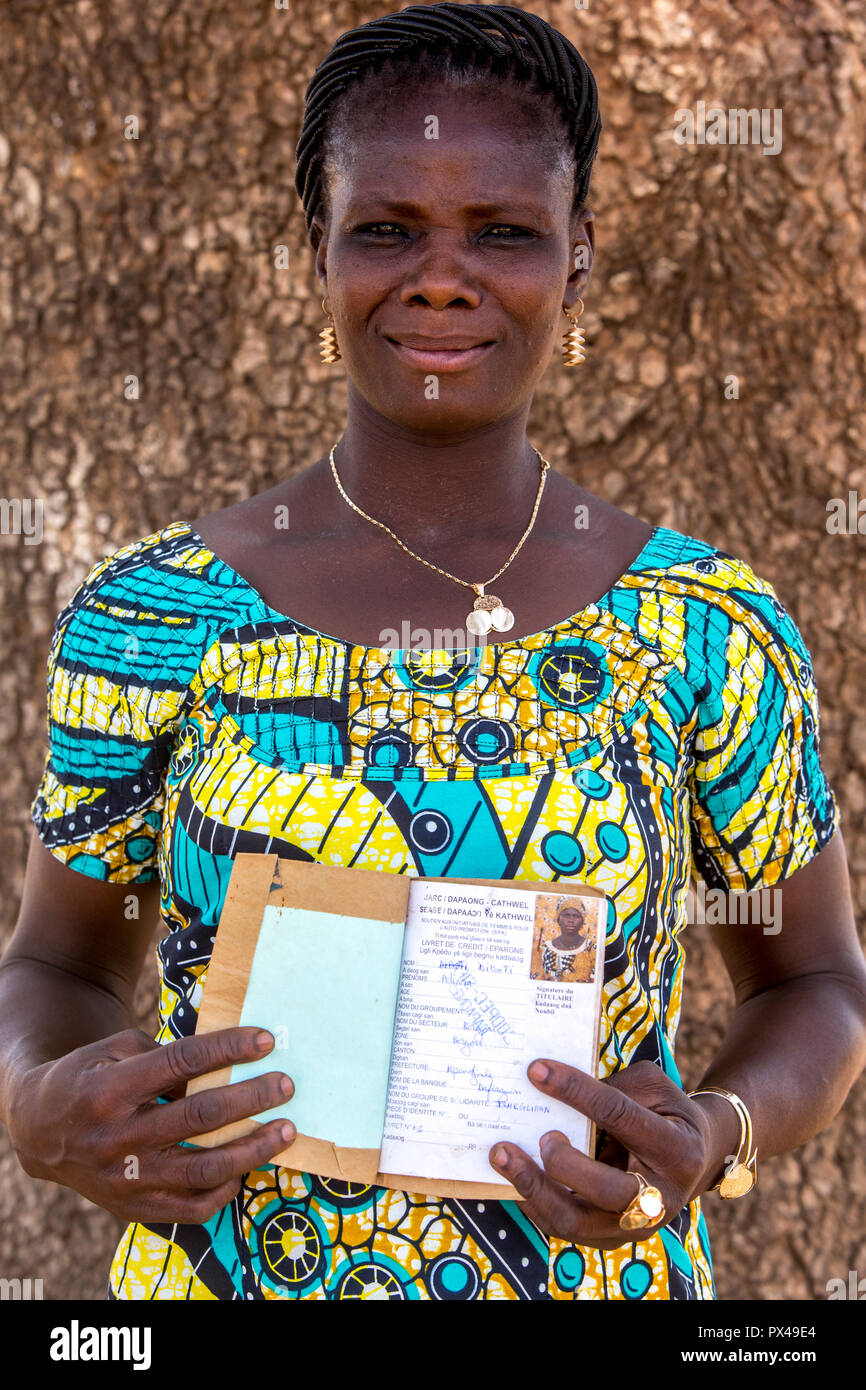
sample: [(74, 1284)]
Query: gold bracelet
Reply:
[(743, 1176)]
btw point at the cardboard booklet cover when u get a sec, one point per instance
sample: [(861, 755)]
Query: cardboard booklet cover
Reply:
[(406, 1011)]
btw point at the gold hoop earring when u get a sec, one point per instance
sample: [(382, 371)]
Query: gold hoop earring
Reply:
[(573, 341), (328, 348)]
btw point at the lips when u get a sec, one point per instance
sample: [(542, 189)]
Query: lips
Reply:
[(440, 354)]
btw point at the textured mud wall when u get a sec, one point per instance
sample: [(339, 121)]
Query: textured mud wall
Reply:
[(154, 257)]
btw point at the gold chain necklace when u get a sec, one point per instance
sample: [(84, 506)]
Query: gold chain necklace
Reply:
[(488, 611)]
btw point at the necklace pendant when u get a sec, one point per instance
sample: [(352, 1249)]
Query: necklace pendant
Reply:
[(488, 612)]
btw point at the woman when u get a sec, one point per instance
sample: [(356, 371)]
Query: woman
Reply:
[(565, 956), (223, 686)]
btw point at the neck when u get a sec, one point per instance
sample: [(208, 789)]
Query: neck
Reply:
[(482, 482)]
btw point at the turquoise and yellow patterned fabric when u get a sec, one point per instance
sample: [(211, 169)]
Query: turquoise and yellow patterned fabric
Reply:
[(669, 728)]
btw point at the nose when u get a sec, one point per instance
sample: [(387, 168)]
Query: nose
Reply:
[(440, 276)]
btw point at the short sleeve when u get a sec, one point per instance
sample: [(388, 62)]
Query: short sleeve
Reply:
[(112, 702), (761, 805)]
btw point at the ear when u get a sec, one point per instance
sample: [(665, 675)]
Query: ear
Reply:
[(319, 242), (583, 254)]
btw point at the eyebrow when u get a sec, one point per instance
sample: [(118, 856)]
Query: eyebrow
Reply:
[(402, 208)]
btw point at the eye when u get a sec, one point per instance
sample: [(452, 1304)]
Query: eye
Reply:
[(501, 231), (510, 231), (389, 228)]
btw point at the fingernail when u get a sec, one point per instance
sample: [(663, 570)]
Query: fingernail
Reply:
[(264, 1040), (539, 1072), (500, 1158), (286, 1085), (287, 1132)]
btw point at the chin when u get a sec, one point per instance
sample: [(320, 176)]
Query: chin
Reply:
[(457, 407)]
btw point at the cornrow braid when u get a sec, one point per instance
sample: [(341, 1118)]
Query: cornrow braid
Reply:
[(499, 39)]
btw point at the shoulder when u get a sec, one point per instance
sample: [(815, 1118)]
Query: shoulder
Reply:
[(167, 549), (152, 606), (702, 575), (173, 567), (689, 561), (723, 623)]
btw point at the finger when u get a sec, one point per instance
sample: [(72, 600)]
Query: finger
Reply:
[(549, 1205), (102, 1054), (172, 1208), (596, 1183), (640, 1130), (186, 1169), (160, 1125), (155, 1073)]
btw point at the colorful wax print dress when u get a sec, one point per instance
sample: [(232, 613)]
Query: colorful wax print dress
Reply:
[(566, 965), (670, 726)]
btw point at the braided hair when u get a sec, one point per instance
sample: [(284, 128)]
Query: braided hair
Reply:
[(451, 40)]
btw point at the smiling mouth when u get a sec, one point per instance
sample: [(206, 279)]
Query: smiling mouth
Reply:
[(434, 358)]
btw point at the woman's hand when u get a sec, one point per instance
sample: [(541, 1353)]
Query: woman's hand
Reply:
[(91, 1121), (652, 1128)]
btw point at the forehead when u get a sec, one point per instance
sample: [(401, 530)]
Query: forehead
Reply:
[(481, 142)]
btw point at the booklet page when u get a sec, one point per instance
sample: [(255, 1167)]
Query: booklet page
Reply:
[(491, 979)]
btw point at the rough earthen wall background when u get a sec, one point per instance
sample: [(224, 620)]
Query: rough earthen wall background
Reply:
[(155, 257)]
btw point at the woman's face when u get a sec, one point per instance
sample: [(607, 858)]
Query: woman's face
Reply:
[(570, 921), (446, 260)]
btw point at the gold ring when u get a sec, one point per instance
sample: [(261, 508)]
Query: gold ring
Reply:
[(645, 1208)]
